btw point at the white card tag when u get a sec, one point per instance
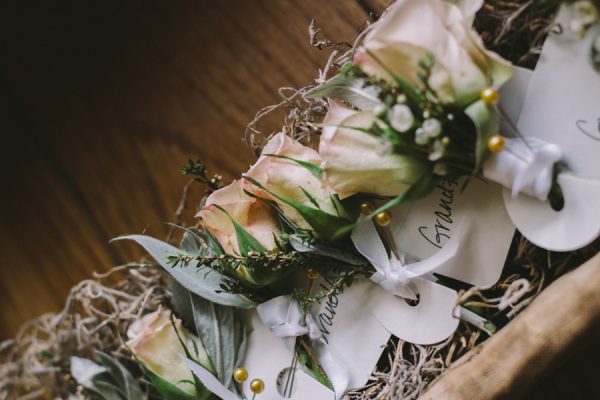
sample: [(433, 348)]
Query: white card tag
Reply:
[(563, 107), (428, 322), (512, 97), (349, 326), (267, 358), (426, 226)]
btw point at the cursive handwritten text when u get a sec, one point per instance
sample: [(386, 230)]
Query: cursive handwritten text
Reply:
[(443, 215), (582, 125)]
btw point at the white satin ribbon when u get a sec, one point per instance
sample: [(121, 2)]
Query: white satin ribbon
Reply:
[(393, 275), (285, 318), (525, 165)]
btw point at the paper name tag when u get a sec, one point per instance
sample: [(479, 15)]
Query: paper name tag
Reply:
[(268, 358), (563, 107), (348, 325), (426, 226), (358, 323)]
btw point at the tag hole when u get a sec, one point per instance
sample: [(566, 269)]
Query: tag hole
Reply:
[(413, 303), (556, 198), (286, 385)]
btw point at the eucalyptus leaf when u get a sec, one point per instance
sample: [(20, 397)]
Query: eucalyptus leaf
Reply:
[(241, 342), (180, 299), (201, 282), (487, 121), (108, 391), (122, 377), (350, 89), (189, 243), (111, 380), (215, 325)]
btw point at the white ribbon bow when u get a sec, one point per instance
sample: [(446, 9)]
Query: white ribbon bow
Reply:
[(396, 276), (525, 165), (285, 318)]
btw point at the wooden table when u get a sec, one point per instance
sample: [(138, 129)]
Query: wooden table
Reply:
[(102, 102)]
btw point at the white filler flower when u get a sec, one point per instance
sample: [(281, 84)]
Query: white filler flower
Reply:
[(401, 118)]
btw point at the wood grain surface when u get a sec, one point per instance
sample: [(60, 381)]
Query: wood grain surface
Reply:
[(100, 104)]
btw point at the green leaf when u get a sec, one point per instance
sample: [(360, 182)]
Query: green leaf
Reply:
[(326, 225), (241, 342), (214, 244), (351, 89), (487, 121), (314, 368), (204, 283), (180, 300), (189, 243), (107, 390), (310, 198), (246, 242), (111, 381), (198, 385), (124, 380), (315, 170), (169, 391), (420, 188)]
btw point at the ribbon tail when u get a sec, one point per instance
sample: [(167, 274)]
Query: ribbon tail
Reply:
[(210, 381)]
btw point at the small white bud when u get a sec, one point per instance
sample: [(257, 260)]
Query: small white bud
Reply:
[(420, 137), (432, 128), (401, 118)]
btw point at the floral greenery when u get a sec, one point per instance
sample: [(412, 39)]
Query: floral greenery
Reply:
[(99, 322), (341, 273)]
